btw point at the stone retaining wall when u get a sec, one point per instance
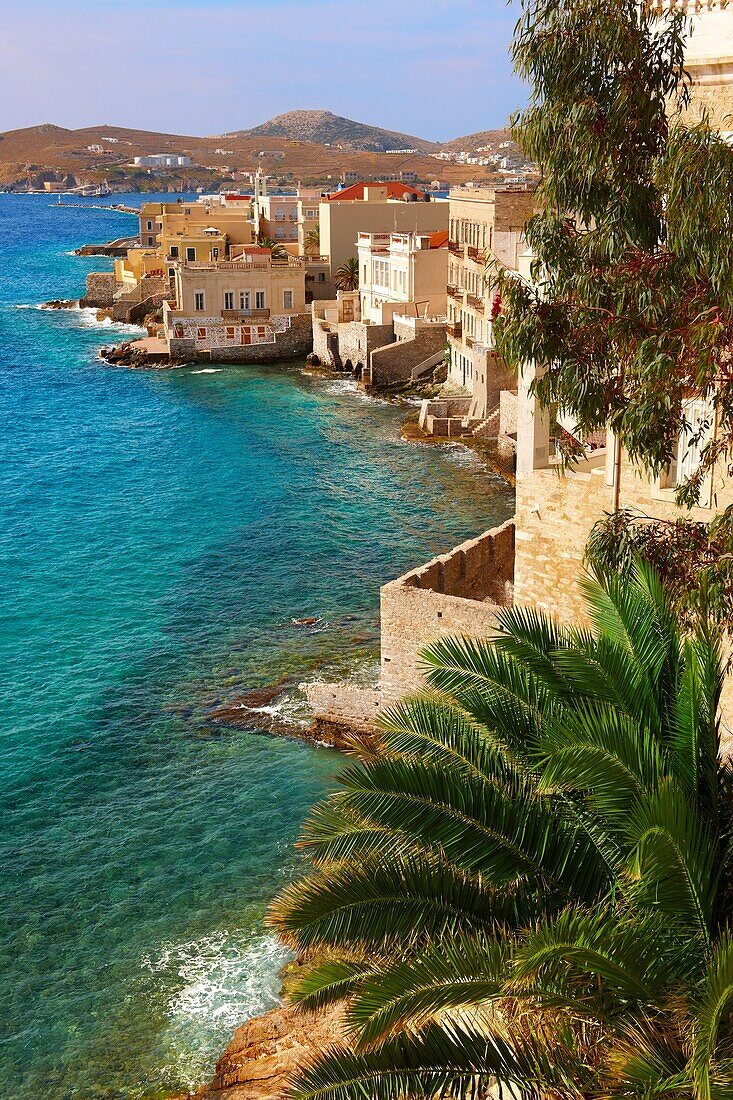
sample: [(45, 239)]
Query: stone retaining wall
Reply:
[(458, 593), (393, 364), (101, 287), (294, 343)]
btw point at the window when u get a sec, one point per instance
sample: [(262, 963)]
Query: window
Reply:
[(151, 242), (287, 299), (202, 333), (321, 276), (215, 253), (244, 299), (190, 253), (228, 299), (293, 211), (149, 225), (259, 299), (174, 251), (198, 301), (280, 232), (171, 273)]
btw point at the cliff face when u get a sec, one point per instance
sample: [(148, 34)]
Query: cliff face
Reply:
[(265, 1051)]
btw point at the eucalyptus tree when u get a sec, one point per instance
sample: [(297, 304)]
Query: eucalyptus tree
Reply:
[(631, 308)]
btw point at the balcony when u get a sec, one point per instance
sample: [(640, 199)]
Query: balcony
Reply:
[(477, 254), (475, 303), (455, 248), (454, 329), (454, 292), (469, 341), (230, 315)]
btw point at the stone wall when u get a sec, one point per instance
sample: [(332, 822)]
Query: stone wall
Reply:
[(294, 343), (458, 593), (101, 288), (394, 363), (555, 514), (148, 295), (357, 340)]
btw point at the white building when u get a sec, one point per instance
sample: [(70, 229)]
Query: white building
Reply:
[(163, 160), (404, 273)]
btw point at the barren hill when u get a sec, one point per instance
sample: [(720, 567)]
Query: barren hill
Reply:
[(325, 128), (336, 145)]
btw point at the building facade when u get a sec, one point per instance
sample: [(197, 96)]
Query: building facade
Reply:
[(375, 208), (486, 229), (236, 303), (708, 58), (402, 273)]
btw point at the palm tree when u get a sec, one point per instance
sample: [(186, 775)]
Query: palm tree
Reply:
[(529, 878), (276, 248), (347, 276), (312, 241)]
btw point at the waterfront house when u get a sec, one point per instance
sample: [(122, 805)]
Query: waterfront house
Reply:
[(245, 308), (402, 273), (537, 557)]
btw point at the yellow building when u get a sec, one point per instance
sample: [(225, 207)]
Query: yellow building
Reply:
[(374, 208), (205, 230), (239, 302), (486, 227)]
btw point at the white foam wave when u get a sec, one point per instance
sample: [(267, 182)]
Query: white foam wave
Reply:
[(208, 370), (216, 983), (88, 319)]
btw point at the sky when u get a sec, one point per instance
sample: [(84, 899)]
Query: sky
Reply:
[(434, 68)]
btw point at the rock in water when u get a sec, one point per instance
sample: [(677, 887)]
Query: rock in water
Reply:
[(267, 1050)]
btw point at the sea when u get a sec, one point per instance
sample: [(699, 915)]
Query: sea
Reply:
[(163, 535)]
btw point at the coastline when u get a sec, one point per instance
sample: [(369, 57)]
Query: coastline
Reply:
[(173, 426)]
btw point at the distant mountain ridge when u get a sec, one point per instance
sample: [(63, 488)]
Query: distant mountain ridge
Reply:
[(326, 128)]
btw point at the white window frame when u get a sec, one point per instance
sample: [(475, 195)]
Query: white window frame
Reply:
[(189, 249), (286, 304), (199, 296), (244, 299), (260, 294), (228, 299)]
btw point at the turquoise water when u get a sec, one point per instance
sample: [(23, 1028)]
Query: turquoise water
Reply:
[(159, 531)]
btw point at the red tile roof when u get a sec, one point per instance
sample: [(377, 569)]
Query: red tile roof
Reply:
[(255, 250), (356, 191), (439, 239)]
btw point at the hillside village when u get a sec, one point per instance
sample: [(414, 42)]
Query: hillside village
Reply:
[(315, 147)]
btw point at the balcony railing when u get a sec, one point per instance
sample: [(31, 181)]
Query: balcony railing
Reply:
[(245, 314), (469, 341), (455, 248), (455, 329), (454, 292), (476, 303)]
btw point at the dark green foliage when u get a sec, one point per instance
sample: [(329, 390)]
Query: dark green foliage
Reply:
[(694, 560), (530, 875)]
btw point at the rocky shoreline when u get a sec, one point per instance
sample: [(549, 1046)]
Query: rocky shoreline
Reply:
[(265, 1052)]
